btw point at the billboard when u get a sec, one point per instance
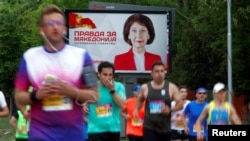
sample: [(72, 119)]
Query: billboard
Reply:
[(132, 40), (96, 5)]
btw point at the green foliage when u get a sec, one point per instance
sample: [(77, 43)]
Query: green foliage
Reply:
[(241, 42), (17, 34), (199, 51), (200, 56)]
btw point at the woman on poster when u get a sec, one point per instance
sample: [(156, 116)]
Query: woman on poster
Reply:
[(138, 31)]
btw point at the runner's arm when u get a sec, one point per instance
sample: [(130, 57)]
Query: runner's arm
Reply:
[(12, 122), (140, 99), (175, 95), (202, 116), (234, 118)]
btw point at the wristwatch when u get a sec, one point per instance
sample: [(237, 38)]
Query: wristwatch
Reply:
[(112, 92), (33, 96)]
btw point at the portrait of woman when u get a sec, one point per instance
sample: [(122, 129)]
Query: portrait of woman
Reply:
[(138, 31)]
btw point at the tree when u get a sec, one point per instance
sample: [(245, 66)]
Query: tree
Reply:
[(200, 42), (199, 54), (17, 34), (240, 47)]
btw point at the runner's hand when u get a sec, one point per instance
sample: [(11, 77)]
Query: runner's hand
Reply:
[(166, 110), (200, 137)]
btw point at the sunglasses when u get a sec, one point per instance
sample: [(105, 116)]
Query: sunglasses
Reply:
[(202, 93), (53, 23)]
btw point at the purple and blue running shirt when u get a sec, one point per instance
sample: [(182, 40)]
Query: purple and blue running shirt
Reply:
[(55, 118)]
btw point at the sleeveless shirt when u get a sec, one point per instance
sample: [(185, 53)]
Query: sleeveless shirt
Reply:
[(218, 116), (156, 99), (22, 126)]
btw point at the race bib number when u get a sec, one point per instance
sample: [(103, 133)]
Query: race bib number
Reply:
[(56, 102), (195, 128), (155, 107), (23, 129), (136, 122), (104, 110), (179, 124)]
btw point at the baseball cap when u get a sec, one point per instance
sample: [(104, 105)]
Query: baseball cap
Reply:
[(201, 89), (137, 88), (218, 87)]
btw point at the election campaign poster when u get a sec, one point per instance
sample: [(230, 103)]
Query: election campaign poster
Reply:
[(132, 40)]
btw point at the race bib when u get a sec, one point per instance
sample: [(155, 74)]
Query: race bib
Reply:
[(179, 124), (195, 128), (136, 122), (23, 129), (155, 107), (56, 102), (104, 110)]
